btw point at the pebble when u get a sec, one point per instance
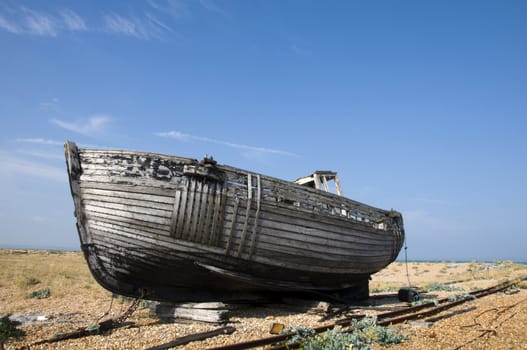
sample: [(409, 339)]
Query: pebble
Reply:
[(82, 306)]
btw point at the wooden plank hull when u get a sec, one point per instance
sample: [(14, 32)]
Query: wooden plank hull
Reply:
[(172, 228)]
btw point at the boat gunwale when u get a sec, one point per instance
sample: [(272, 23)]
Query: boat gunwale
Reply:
[(243, 172)]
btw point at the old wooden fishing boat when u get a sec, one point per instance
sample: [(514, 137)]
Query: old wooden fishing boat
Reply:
[(177, 229)]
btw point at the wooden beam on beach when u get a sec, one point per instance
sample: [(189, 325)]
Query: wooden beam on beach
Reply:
[(214, 312), (194, 337)]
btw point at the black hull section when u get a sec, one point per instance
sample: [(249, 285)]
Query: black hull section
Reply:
[(184, 281)]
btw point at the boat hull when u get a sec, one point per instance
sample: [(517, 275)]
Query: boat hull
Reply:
[(174, 229)]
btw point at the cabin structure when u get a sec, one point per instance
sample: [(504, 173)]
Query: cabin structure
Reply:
[(320, 180)]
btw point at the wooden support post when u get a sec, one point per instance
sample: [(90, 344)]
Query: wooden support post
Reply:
[(325, 181), (247, 212), (202, 312), (255, 225)]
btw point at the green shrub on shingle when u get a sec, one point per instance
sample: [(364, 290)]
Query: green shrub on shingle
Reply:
[(40, 294)]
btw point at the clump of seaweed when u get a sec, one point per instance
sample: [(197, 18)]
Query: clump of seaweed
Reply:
[(424, 301), (458, 297), (441, 287), (364, 333), (384, 289)]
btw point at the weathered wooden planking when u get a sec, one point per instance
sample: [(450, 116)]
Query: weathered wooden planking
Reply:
[(132, 241), (337, 253), (119, 256), (156, 246), (142, 204), (309, 227), (327, 235), (335, 220), (197, 213), (127, 206), (287, 247), (276, 231), (126, 194), (324, 219), (357, 265), (274, 188), (320, 256), (278, 189), (312, 243), (128, 188), (195, 221), (155, 239), (149, 185), (133, 216), (273, 257), (145, 226), (115, 227)]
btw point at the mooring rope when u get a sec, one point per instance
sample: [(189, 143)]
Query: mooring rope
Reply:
[(406, 263)]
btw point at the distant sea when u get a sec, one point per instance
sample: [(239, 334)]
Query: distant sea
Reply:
[(29, 246), (73, 249), (461, 261)]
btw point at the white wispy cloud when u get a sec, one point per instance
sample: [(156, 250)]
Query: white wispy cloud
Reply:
[(92, 125), (18, 166), (39, 23), (180, 9), (177, 135), (156, 25), (147, 27), (23, 20), (47, 149), (42, 155), (40, 141), (73, 21), (211, 6), (27, 21), (89, 145), (10, 26), (174, 8), (115, 23), (51, 105)]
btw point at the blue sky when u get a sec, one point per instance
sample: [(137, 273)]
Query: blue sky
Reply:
[(419, 105)]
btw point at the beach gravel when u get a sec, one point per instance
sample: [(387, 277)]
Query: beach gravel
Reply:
[(497, 321)]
